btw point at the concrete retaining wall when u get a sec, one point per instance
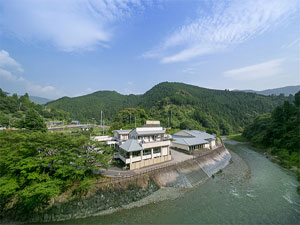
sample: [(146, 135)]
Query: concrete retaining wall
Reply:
[(193, 172)]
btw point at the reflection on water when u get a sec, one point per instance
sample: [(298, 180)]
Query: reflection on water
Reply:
[(267, 196)]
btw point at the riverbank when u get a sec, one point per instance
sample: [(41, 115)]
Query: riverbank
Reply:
[(168, 183), (266, 195), (235, 170), (267, 153)]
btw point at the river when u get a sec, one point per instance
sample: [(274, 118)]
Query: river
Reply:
[(265, 194)]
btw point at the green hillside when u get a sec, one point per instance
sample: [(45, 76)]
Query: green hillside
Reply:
[(13, 110), (192, 107), (87, 107)]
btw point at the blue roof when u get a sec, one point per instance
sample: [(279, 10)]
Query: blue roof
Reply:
[(194, 133), (190, 141), (131, 145), (192, 137)]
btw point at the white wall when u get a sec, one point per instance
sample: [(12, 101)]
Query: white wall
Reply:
[(148, 128), (164, 150)]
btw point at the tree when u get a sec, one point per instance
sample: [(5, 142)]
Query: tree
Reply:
[(297, 99), (34, 121), (187, 124), (37, 166)]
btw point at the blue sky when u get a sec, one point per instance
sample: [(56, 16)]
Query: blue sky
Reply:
[(54, 48)]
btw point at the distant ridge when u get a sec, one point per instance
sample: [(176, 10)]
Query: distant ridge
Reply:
[(35, 99), (180, 105), (39, 100), (276, 91)]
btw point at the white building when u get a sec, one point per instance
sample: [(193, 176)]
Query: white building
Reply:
[(102, 138), (121, 135), (190, 140), (145, 146)]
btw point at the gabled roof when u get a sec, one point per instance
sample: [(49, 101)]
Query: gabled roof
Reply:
[(190, 141), (131, 145), (122, 131), (193, 133), (192, 137)]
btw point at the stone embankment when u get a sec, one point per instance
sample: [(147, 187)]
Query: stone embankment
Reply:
[(107, 196)]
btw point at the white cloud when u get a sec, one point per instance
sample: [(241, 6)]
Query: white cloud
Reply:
[(8, 79), (9, 76), (7, 62), (222, 25), (257, 72), (21, 85), (69, 24)]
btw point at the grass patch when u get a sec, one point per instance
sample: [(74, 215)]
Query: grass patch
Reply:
[(237, 137)]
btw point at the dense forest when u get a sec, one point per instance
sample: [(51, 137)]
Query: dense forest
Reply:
[(279, 133), (88, 107), (177, 105), (13, 110), (37, 166)]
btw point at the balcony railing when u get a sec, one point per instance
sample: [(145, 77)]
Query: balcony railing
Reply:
[(142, 141)]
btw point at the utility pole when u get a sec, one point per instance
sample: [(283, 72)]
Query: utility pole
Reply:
[(171, 119), (168, 121), (101, 119), (103, 128), (102, 123), (130, 118), (135, 121)]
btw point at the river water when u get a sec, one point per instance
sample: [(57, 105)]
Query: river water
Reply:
[(266, 195)]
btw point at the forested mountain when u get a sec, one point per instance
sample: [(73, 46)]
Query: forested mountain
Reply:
[(180, 105), (89, 106), (14, 108), (288, 90)]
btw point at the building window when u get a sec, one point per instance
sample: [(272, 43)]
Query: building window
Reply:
[(147, 152), (124, 153), (134, 154), (156, 150)]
